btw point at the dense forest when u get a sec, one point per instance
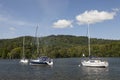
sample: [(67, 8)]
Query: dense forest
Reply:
[(58, 46)]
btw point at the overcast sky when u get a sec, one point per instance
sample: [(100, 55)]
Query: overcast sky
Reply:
[(60, 17)]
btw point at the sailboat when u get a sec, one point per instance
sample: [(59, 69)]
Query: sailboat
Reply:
[(42, 59), (92, 61), (23, 60)]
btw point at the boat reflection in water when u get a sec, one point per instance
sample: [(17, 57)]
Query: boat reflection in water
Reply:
[(95, 73)]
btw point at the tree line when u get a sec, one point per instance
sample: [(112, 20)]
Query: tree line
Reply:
[(58, 46)]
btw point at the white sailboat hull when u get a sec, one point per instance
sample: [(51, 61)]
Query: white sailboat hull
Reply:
[(94, 63), (25, 61), (41, 61), (37, 62)]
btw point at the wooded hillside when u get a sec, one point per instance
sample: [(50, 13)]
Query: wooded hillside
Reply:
[(58, 46)]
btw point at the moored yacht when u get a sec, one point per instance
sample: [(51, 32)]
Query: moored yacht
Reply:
[(94, 62), (41, 60), (23, 60), (91, 61)]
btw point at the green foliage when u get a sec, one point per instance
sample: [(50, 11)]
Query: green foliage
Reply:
[(58, 46), (15, 53)]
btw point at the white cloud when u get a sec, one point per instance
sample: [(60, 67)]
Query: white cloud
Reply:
[(12, 29), (94, 16), (12, 21), (116, 9), (20, 23), (62, 24)]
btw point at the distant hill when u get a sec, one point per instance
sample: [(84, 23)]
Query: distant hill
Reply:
[(59, 46)]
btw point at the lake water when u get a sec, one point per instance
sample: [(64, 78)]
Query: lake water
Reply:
[(63, 69)]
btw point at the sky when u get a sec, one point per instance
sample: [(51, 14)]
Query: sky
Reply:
[(60, 17)]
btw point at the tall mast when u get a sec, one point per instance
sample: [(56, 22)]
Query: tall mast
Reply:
[(23, 46), (37, 40), (89, 40)]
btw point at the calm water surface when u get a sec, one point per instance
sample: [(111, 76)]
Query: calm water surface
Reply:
[(63, 69)]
